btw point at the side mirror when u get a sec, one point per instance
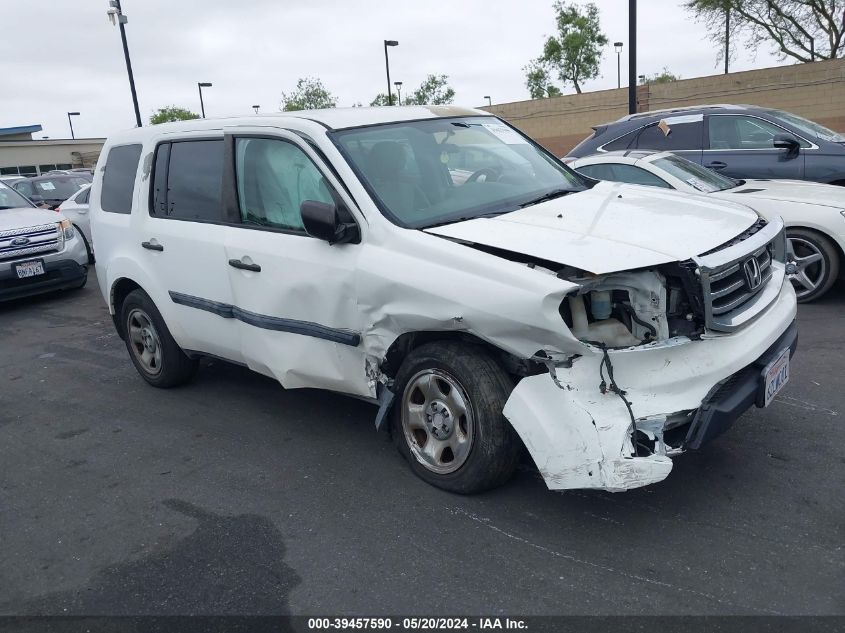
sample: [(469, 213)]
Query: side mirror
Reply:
[(323, 221), (787, 142)]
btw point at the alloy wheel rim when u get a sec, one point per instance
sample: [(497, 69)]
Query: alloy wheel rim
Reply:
[(437, 421), (144, 341), (810, 265)]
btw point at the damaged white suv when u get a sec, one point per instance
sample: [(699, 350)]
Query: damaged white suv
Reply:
[(440, 264)]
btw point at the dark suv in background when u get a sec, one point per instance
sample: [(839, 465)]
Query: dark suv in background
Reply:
[(741, 141)]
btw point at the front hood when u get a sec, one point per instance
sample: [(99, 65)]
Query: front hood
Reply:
[(799, 191), (610, 227), (27, 216)]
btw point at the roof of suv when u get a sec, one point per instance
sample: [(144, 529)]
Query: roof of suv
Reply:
[(686, 110), (330, 118)]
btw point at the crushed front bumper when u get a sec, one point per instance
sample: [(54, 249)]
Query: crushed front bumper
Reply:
[(581, 438)]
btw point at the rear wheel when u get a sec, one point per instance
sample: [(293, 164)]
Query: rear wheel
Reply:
[(816, 263), (154, 352), (448, 420)]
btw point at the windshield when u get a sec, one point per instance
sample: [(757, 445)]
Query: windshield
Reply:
[(695, 175), (60, 188), (10, 199), (436, 171), (808, 127)]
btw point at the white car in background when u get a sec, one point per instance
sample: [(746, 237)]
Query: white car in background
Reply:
[(75, 209), (814, 213)]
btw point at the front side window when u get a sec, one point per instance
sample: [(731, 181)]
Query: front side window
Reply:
[(743, 132), (811, 128), (194, 181), (274, 178), (119, 178), (444, 170), (9, 198), (637, 176), (695, 175)]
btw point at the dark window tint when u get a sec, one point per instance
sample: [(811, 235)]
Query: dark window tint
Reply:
[(599, 172), (119, 178), (82, 198), (637, 176), (678, 136), (194, 181)]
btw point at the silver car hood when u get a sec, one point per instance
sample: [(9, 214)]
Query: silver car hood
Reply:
[(27, 216)]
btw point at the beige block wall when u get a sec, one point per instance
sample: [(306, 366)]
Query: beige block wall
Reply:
[(815, 91), (72, 152)]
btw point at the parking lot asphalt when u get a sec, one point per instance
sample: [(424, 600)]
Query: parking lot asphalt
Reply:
[(234, 496)]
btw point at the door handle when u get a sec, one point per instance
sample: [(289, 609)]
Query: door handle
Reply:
[(152, 247), (716, 164), (236, 263)]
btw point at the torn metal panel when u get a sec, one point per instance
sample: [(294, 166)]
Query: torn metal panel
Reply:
[(580, 438)]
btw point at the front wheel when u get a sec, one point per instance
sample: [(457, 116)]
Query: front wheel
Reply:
[(816, 262), (448, 420), (154, 352)]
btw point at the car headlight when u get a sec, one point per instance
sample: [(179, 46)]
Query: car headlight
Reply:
[(66, 229)]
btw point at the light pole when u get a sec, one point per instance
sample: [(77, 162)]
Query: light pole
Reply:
[(255, 107), (116, 15), (489, 100), (618, 48), (200, 86), (632, 56), (387, 68), (398, 85), (70, 123)]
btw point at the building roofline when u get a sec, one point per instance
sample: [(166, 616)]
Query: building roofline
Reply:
[(20, 129)]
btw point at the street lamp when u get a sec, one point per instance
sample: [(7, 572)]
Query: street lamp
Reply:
[(116, 16), (255, 107), (387, 68), (489, 100), (398, 85), (618, 48), (70, 123), (642, 80), (200, 86)]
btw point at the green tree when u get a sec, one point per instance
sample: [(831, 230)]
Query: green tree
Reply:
[(663, 77), (172, 113), (791, 27), (309, 94), (574, 54), (434, 90), (538, 83)]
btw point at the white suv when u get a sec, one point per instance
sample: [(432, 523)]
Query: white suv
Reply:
[(442, 265)]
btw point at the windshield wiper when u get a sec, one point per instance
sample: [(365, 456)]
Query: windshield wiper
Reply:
[(551, 195)]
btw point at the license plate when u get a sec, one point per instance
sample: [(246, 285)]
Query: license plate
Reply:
[(775, 376), (29, 269)]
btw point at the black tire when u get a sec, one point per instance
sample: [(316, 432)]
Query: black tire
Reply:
[(495, 448), (88, 250), (172, 367), (830, 255)]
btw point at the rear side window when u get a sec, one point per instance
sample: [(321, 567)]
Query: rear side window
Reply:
[(82, 198), (677, 136), (188, 180), (119, 178)]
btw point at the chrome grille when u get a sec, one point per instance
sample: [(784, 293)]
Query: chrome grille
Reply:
[(31, 240), (742, 280)]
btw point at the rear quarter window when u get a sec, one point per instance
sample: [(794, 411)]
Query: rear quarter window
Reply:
[(119, 178)]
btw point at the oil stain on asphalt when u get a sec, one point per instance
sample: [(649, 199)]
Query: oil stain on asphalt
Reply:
[(231, 565)]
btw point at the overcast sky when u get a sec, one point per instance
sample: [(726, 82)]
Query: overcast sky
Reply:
[(64, 55)]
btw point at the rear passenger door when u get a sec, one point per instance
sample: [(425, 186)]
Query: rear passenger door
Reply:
[(296, 300), (742, 146), (181, 240)]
